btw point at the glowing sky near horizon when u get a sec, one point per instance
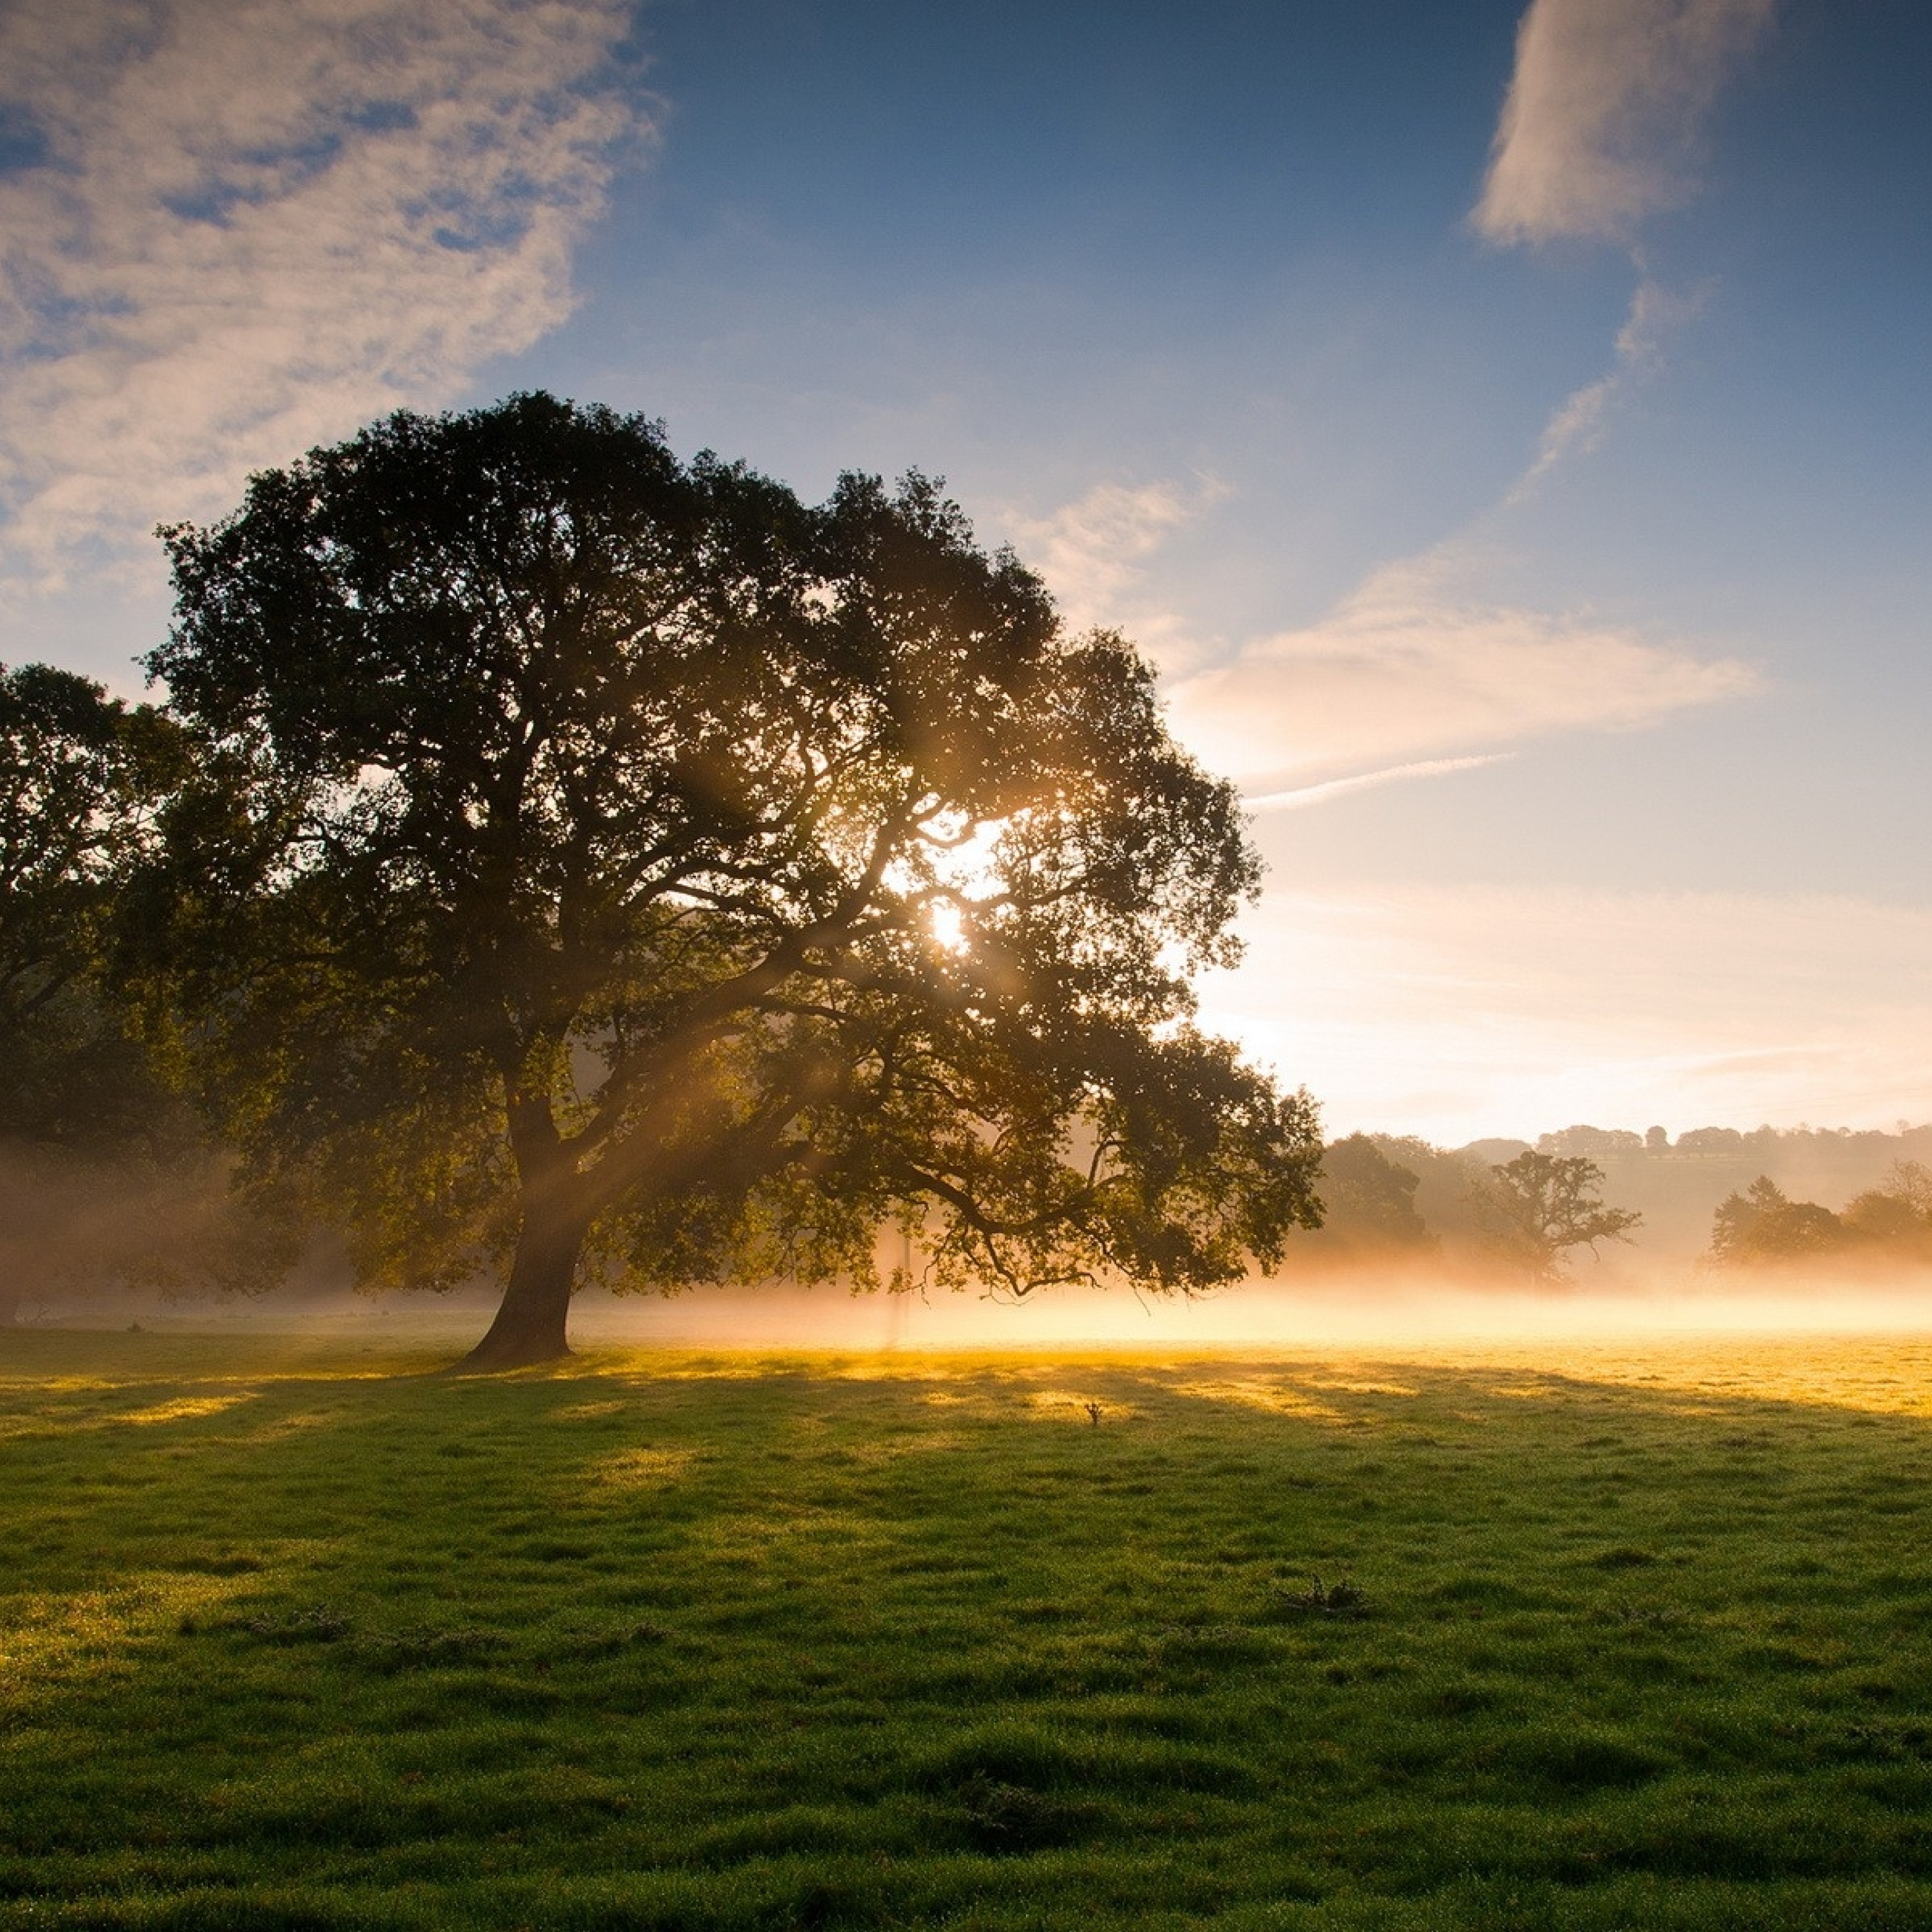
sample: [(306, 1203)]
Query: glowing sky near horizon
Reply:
[(1507, 429)]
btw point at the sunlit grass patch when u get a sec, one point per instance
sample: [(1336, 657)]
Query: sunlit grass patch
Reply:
[(50, 1641), (748, 1641), (183, 1408), (640, 1468), (1276, 1396)]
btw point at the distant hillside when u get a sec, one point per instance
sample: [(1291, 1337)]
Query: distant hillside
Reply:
[(1676, 1186)]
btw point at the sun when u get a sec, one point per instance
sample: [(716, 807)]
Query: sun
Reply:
[(949, 926)]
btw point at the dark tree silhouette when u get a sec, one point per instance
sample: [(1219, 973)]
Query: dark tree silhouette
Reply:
[(604, 864), (1539, 1206), (1881, 1226), (103, 1169), (80, 774)]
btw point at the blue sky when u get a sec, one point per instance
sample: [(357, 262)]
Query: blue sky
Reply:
[(1508, 427)]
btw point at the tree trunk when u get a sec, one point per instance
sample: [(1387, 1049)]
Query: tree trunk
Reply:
[(530, 1324)]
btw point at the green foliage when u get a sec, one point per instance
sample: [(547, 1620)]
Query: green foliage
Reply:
[(1368, 1202), (1763, 1224), (1896, 1218), (104, 1171), (1763, 1227), (735, 1643), (594, 855), (1538, 1207), (80, 775), (1447, 1180)]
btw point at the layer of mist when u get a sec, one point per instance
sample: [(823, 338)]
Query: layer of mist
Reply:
[(1371, 1307), (87, 1244)]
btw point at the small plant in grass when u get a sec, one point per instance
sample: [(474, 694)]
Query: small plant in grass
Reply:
[(1342, 1598), (1001, 1817), (318, 1625), (1648, 1616)]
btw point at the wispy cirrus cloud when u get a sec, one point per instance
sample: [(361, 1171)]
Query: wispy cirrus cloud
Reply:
[(1415, 674), (1578, 424), (244, 226), (1415, 671), (1299, 798), (1601, 128)]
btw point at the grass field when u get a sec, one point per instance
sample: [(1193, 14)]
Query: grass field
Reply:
[(1619, 1636)]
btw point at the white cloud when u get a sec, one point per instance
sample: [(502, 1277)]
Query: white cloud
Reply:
[(1600, 127), (1094, 552), (1470, 1010), (1577, 425), (1410, 669), (254, 223), (1415, 675), (1299, 797)]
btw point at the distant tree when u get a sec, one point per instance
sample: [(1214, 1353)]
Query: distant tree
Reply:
[(1885, 1218), (1538, 1207), (1910, 1181), (1368, 1200), (1656, 1140), (79, 776), (1764, 1224), (1897, 1215), (607, 866), (1493, 1150), (103, 1169), (1593, 1143), (1447, 1179)]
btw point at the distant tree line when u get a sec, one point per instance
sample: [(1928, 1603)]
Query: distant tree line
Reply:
[(1390, 1197), (1762, 1225), (1504, 1207), (1706, 1144)]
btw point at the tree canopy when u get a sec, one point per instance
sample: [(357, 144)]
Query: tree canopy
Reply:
[(104, 1172), (1763, 1224), (80, 776), (597, 863), (1368, 1203)]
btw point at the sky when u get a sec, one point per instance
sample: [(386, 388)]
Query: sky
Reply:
[(1510, 431)]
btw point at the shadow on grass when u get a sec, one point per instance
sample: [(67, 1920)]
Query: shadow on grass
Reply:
[(868, 1639)]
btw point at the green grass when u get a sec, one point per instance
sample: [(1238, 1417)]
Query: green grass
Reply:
[(701, 1642)]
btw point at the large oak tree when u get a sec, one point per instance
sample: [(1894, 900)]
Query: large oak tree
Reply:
[(601, 864)]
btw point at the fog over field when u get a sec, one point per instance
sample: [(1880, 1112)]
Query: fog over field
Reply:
[(1332, 1289), (1379, 1308)]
